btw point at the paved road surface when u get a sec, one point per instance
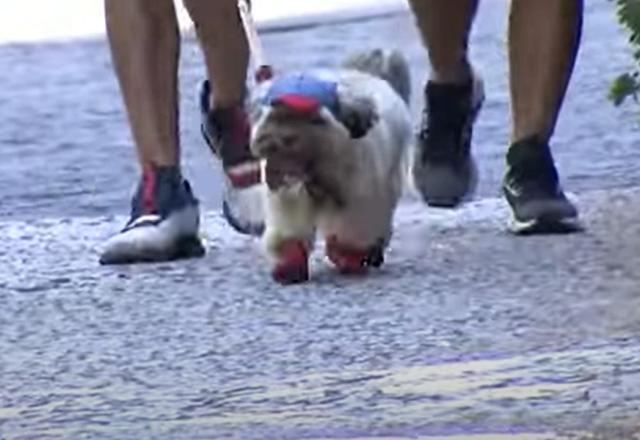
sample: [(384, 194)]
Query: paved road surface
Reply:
[(467, 332)]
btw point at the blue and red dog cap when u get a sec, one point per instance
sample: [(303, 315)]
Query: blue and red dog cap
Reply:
[(304, 93)]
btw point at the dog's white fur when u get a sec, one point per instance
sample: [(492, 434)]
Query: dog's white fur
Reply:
[(375, 169)]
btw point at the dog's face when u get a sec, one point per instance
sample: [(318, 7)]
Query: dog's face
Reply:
[(303, 148)]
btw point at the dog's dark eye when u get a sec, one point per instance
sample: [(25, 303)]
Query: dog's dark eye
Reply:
[(318, 120), (266, 147)]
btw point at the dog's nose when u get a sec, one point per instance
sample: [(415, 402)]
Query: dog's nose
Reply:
[(282, 170)]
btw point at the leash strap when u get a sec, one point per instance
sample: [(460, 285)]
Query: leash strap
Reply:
[(264, 71)]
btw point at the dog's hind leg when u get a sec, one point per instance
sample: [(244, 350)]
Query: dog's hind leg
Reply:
[(290, 234), (354, 260), (355, 243)]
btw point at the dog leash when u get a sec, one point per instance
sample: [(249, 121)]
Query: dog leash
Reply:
[(264, 71), (302, 92)]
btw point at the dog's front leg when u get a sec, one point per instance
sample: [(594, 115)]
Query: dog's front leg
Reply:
[(290, 233)]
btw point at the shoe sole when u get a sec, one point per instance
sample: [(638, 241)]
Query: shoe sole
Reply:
[(545, 226), (543, 216), (184, 248), (442, 180), (254, 229), (443, 202)]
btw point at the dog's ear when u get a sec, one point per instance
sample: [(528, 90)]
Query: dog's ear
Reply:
[(357, 113)]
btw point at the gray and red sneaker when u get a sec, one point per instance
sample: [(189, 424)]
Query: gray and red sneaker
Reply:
[(227, 132), (164, 222)]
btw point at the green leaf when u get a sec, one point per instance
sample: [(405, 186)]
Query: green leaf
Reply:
[(627, 84), (622, 87)]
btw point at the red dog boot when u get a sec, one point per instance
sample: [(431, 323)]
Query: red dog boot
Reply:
[(292, 266), (348, 261)]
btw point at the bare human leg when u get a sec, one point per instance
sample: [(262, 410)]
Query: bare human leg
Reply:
[(225, 124), (445, 28), (443, 168), (225, 48), (145, 45), (543, 44)]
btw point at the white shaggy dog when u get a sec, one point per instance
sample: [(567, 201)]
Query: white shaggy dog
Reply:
[(335, 147)]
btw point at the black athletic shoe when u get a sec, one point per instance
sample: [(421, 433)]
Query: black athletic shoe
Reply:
[(164, 222), (227, 132), (443, 169), (531, 186)]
